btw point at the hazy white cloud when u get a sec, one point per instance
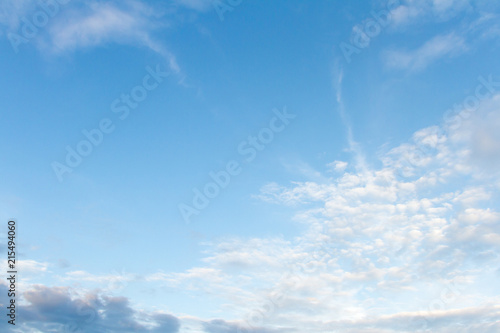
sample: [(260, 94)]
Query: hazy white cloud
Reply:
[(103, 22), (82, 25), (478, 25), (275, 193), (418, 11), (107, 283), (11, 11), (337, 166), (405, 14), (32, 267), (131, 23), (199, 5), (439, 47), (374, 240)]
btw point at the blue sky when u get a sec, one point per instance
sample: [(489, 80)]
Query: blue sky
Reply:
[(356, 147)]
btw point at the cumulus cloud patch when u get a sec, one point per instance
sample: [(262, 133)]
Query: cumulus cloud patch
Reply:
[(398, 248)]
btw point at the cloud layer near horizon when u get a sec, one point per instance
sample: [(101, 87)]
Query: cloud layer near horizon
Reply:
[(411, 245)]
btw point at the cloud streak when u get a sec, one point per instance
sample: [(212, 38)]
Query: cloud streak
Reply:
[(84, 25), (439, 47)]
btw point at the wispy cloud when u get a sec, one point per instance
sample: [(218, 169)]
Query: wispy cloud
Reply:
[(476, 26), (439, 47), (338, 77), (418, 11), (98, 24), (11, 11), (198, 5), (83, 25), (129, 23)]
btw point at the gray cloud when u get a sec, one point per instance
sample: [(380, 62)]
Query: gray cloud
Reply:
[(59, 309)]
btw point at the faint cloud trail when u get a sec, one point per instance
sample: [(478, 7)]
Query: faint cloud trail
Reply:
[(354, 146)]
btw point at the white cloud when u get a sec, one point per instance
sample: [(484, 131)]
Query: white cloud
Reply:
[(31, 267), (88, 24), (476, 216), (271, 193), (374, 241), (103, 22), (131, 22), (479, 24), (438, 47), (100, 279), (418, 11), (338, 166), (405, 14)]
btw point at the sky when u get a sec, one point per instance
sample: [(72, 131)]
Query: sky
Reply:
[(230, 166)]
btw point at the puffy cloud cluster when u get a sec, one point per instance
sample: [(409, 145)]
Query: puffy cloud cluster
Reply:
[(411, 245)]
